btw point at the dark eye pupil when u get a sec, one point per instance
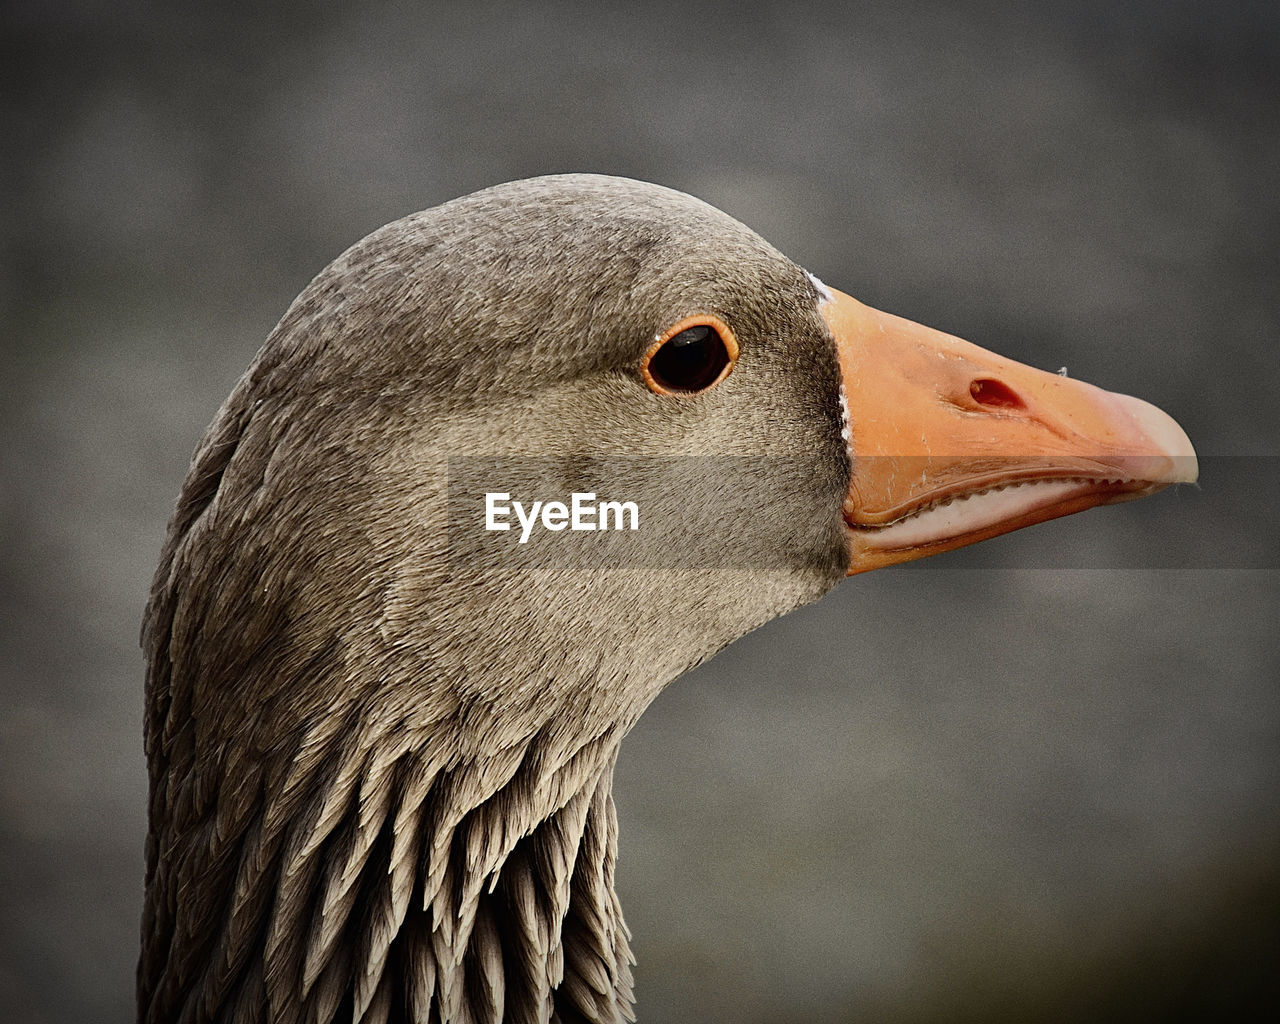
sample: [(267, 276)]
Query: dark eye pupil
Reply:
[(691, 360)]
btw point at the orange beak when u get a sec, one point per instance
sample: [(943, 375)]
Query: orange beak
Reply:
[(952, 444)]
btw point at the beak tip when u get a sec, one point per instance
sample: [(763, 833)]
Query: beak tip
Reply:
[(1164, 434)]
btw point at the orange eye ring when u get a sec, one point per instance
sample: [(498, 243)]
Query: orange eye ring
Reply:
[(687, 361)]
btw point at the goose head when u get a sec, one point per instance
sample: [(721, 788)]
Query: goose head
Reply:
[(386, 690)]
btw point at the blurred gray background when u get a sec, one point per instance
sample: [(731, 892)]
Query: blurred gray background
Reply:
[(1038, 780)]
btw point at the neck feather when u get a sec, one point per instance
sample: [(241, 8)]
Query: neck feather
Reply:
[(368, 877)]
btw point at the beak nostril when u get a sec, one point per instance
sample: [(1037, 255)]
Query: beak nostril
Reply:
[(994, 394)]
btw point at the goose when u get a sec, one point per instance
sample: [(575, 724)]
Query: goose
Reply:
[(504, 470)]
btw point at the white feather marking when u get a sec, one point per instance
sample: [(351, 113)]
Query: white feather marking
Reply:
[(822, 289)]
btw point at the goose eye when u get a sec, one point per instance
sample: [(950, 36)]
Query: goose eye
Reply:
[(690, 357)]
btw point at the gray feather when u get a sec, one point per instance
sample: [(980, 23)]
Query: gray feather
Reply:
[(381, 757)]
